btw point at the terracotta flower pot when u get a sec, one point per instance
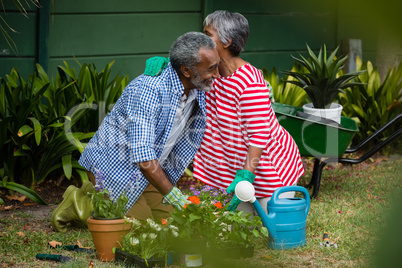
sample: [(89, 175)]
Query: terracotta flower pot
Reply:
[(106, 234)]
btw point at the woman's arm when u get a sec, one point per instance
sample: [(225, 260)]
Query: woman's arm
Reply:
[(253, 158)]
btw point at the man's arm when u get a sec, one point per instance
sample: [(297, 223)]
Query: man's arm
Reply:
[(155, 175)]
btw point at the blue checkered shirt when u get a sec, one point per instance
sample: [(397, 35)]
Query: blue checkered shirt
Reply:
[(137, 129)]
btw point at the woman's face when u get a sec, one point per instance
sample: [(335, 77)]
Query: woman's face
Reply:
[(208, 30)]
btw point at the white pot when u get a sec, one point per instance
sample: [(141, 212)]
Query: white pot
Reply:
[(332, 113)]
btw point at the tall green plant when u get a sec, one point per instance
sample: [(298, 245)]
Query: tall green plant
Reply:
[(322, 82), (44, 123), (373, 103)]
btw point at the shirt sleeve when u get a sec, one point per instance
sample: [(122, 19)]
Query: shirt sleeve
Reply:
[(255, 114), (142, 107)]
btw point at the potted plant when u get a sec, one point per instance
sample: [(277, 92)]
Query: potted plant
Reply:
[(198, 224), (322, 83), (107, 224), (148, 243), (207, 229), (237, 237)]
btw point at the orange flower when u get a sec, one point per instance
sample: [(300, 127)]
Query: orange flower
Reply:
[(194, 199), (218, 205), (185, 206), (164, 222)]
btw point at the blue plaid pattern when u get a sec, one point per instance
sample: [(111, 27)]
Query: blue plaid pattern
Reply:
[(137, 129)]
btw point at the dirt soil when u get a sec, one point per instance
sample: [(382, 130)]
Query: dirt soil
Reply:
[(50, 191)]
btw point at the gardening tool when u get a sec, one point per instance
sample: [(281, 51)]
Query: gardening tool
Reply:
[(76, 248), (286, 219), (53, 257), (327, 243)]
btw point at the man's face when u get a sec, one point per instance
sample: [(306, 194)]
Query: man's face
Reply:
[(204, 72)]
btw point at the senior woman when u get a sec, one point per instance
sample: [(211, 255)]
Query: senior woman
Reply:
[(243, 139)]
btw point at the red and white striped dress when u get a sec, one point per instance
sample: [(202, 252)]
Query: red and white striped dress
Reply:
[(239, 114)]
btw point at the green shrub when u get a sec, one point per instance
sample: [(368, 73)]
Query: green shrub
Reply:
[(43, 123), (373, 104)]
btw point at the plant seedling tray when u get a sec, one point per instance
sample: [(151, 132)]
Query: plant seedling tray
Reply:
[(131, 260), (315, 138)]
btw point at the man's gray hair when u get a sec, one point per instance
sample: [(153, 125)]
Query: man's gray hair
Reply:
[(229, 26), (185, 50)]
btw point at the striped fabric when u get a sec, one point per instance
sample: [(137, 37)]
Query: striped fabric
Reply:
[(136, 130), (239, 114)]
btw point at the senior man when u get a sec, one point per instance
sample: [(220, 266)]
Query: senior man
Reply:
[(151, 134)]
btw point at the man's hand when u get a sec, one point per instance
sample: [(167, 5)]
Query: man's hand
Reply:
[(175, 198), (241, 175)]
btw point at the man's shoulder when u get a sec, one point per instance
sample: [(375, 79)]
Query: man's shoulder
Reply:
[(164, 80)]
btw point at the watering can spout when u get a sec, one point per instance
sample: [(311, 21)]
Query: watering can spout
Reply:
[(245, 192)]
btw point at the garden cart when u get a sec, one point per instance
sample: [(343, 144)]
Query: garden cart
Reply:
[(327, 142)]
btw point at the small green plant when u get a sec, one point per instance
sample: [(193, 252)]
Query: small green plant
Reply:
[(240, 229), (148, 239), (198, 220), (105, 204), (322, 83)]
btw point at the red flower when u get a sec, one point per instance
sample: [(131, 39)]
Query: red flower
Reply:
[(218, 205), (164, 222), (194, 199)]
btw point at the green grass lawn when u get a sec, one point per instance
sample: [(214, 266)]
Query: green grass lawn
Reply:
[(353, 204)]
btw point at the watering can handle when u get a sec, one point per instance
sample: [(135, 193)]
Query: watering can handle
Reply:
[(303, 190)]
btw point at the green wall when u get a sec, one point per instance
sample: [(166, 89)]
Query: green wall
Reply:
[(130, 31)]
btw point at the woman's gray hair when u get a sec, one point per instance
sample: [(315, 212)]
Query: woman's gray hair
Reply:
[(229, 26), (185, 50)]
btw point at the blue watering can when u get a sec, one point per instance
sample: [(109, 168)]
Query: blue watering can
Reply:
[(286, 219)]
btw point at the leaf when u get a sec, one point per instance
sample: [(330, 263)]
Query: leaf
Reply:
[(38, 129), (25, 191), (21, 234), (67, 167), (15, 197), (55, 244), (25, 129)]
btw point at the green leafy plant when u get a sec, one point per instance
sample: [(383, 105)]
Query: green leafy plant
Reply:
[(45, 123), (207, 219), (322, 83), (198, 220), (105, 204), (284, 92), (148, 239), (240, 229), (373, 103)]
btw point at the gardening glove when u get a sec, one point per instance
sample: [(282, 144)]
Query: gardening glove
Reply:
[(154, 66), (241, 175), (175, 198)]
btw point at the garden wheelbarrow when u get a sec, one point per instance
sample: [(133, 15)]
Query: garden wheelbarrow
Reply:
[(327, 141)]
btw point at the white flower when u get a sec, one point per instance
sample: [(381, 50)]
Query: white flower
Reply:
[(134, 241), (152, 235), (174, 227), (175, 234), (154, 225), (136, 222), (144, 236)]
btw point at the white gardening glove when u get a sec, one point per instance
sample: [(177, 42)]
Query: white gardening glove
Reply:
[(175, 198)]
